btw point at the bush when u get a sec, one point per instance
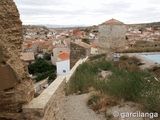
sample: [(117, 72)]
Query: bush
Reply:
[(95, 57), (128, 63), (150, 95), (141, 49), (100, 101), (47, 56), (51, 74), (40, 66), (42, 70), (86, 75), (124, 84), (52, 77), (86, 41), (93, 99)]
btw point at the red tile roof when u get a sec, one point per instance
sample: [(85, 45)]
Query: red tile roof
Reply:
[(113, 21), (76, 31), (64, 56), (45, 45), (25, 46), (94, 45)]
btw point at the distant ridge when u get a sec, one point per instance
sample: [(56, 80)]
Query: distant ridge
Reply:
[(63, 26), (152, 24)]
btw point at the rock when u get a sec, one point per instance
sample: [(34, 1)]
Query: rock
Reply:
[(16, 89)]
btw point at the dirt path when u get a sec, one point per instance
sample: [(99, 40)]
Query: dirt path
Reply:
[(75, 108)]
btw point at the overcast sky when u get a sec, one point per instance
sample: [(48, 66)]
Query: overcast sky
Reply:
[(87, 12)]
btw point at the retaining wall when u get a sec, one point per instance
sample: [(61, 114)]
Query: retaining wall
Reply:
[(47, 104)]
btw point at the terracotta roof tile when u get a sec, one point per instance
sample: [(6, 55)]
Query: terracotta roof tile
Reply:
[(113, 21), (94, 45), (45, 45), (64, 56)]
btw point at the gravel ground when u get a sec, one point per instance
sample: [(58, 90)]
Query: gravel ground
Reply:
[(75, 108)]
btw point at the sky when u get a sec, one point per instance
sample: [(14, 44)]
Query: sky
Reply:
[(87, 12)]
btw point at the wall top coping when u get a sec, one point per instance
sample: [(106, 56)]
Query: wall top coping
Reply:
[(41, 101)]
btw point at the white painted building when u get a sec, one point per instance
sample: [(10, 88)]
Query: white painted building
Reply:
[(94, 48), (63, 67)]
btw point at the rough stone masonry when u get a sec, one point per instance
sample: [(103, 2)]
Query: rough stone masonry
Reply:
[(16, 88)]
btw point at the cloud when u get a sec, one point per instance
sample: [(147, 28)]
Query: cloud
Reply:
[(86, 11)]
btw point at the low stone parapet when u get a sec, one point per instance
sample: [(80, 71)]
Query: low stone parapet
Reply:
[(47, 104)]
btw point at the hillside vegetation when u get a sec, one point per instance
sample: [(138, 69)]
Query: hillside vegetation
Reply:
[(126, 83)]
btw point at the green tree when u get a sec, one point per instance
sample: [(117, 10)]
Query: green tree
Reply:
[(40, 66), (86, 41), (47, 56)]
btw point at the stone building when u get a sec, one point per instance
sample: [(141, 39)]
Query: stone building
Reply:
[(111, 36), (78, 50)]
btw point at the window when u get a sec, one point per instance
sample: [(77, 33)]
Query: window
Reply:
[(64, 71)]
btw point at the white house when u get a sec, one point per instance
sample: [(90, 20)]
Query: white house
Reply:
[(91, 36), (58, 49), (63, 64), (94, 48)]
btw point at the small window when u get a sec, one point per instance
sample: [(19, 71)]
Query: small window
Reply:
[(64, 71)]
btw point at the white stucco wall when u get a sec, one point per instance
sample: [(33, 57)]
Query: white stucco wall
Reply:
[(63, 67), (56, 52), (94, 50)]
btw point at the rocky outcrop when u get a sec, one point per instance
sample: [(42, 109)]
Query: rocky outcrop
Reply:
[(16, 88)]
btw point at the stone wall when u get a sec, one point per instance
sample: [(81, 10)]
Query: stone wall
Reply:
[(16, 88), (46, 106), (77, 52), (111, 37)]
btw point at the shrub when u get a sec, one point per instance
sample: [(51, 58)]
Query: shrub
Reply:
[(128, 63), (40, 66), (100, 101), (93, 99), (86, 41), (47, 56), (124, 84), (42, 70), (51, 74), (52, 77), (156, 71), (95, 57), (86, 75), (141, 49), (150, 95)]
